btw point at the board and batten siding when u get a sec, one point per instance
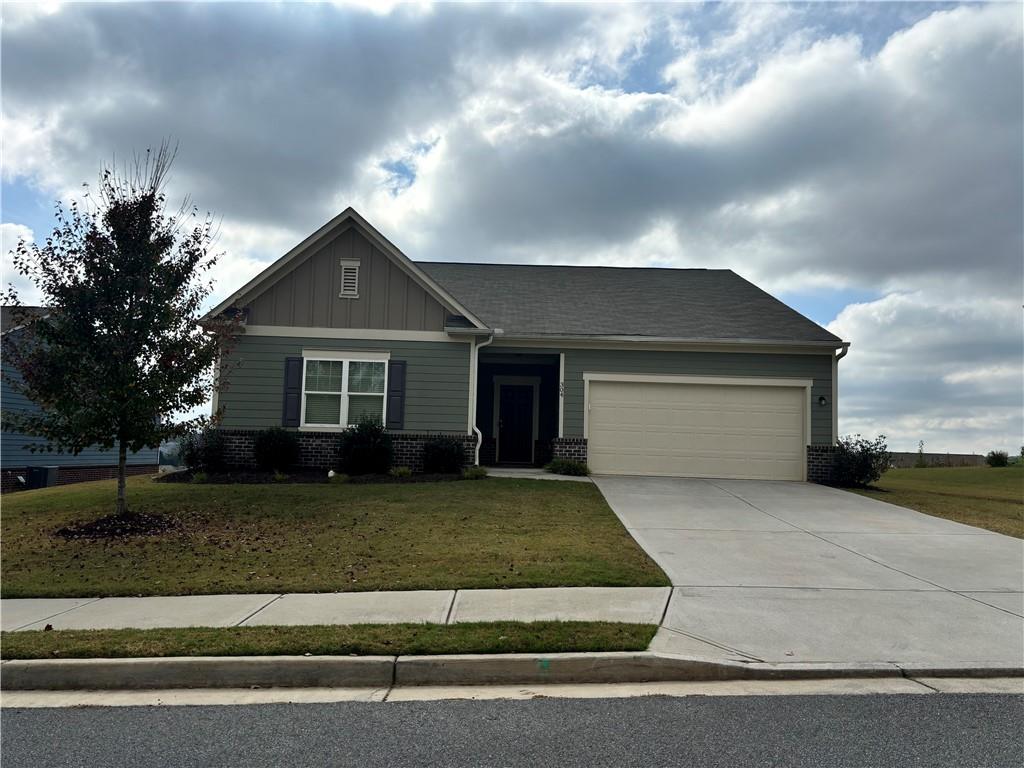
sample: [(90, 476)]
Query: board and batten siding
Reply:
[(14, 452), (436, 385), (750, 364), (307, 295)]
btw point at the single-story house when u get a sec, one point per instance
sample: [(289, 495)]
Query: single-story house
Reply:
[(20, 468), (646, 371)]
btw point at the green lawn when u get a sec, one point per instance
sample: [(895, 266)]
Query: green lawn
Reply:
[(358, 639), (987, 497), (321, 538)]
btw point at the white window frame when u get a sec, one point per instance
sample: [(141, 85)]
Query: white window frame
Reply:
[(347, 265), (331, 357)]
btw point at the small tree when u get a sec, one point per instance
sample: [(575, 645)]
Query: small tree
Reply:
[(119, 354), (920, 463), (997, 459)]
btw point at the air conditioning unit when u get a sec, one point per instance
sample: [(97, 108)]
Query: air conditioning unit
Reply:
[(42, 477)]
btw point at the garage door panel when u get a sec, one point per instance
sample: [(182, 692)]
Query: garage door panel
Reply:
[(697, 430)]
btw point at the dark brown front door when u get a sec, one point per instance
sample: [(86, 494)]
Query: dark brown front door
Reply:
[(515, 424)]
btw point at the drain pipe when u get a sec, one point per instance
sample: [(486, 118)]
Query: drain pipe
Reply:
[(475, 371)]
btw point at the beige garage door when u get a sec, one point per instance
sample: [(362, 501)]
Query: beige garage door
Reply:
[(696, 430)]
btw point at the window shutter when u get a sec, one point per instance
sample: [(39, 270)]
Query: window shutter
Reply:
[(395, 418), (291, 408)]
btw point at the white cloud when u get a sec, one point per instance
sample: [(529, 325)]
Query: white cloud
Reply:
[(947, 370), (10, 236), (796, 144)]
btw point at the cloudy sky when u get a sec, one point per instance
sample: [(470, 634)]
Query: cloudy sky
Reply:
[(863, 162)]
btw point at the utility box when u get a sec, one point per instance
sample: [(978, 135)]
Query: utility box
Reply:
[(42, 477)]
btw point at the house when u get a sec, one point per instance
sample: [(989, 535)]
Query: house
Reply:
[(680, 372), (17, 461)]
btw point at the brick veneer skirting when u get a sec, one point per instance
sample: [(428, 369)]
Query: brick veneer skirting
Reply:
[(71, 474), (572, 448), (820, 460), (319, 450)]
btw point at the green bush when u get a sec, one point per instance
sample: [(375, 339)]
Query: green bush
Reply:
[(204, 450), (276, 449), (365, 449), (443, 455), (400, 472), (568, 467), (199, 477), (336, 479), (997, 459), (859, 461), (474, 473)]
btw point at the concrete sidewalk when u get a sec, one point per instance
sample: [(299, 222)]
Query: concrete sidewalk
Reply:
[(642, 605)]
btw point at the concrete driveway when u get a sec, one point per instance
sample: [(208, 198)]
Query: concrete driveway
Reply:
[(795, 572)]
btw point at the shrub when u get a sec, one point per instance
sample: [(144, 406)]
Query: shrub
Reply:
[(199, 477), (859, 461), (568, 467), (281, 477), (443, 455), (336, 479), (474, 473), (365, 449), (275, 449), (997, 458), (203, 450), (400, 472)]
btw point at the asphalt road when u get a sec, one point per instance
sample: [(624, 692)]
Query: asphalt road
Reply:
[(833, 731)]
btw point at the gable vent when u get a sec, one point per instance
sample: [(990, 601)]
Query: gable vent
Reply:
[(349, 279)]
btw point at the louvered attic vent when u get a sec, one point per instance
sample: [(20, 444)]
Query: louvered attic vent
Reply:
[(349, 279)]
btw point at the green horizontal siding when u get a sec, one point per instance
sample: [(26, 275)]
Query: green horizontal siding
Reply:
[(437, 380), (815, 367)]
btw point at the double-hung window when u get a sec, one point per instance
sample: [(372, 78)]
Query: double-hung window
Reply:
[(340, 393)]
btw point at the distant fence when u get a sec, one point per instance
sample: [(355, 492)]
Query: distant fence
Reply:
[(910, 459)]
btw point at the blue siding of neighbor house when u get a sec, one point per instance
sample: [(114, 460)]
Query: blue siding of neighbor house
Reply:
[(436, 380), (815, 367), (14, 452)]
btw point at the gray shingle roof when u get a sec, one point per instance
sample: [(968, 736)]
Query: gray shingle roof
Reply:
[(697, 304)]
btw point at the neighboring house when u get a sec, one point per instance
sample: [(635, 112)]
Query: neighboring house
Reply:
[(687, 372), (15, 457)]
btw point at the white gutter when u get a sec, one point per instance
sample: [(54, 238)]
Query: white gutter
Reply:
[(474, 357)]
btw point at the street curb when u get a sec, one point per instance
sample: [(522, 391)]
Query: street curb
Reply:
[(198, 672), (482, 669)]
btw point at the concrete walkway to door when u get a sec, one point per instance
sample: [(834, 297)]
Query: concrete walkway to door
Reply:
[(795, 572)]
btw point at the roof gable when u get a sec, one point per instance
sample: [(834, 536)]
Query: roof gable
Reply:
[(347, 219)]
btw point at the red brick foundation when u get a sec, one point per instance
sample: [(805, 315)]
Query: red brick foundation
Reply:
[(71, 474)]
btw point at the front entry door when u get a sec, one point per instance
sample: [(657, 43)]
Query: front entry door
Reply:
[(515, 424)]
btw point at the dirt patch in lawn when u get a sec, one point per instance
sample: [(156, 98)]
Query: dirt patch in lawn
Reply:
[(118, 526)]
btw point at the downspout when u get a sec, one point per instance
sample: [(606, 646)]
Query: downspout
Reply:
[(475, 371)]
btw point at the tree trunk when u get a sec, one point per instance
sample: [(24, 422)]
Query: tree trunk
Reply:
[(122, 461)]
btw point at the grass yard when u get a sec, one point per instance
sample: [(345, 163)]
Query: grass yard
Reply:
[(987, 497), (321, 538), (358, 639)]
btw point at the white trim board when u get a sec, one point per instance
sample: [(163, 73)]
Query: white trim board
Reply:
[(665, 345), (682, 378), (524, 381), (371, 334)]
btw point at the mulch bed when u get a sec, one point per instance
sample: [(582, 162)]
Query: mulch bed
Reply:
[(298, 476), (118, 526)]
